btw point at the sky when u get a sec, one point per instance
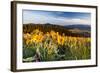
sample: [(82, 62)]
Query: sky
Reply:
[(56, 17)]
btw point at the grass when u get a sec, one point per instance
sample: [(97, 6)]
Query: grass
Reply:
[(51, 46)]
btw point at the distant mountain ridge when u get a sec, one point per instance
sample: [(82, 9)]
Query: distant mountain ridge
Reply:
[(79, 26)]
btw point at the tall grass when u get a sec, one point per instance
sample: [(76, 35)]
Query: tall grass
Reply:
[(51, 46)]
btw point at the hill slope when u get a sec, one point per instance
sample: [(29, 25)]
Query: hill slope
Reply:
[(69, 30)]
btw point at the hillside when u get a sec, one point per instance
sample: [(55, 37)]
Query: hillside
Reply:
[(70, 30)]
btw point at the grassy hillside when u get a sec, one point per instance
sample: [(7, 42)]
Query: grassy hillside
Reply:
[(46, 42)]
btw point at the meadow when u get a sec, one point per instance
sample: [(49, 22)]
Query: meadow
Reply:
[(53, 46)]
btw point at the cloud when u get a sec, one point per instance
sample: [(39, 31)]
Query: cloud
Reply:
[(78, 21), (58, 18), (69, 21)]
